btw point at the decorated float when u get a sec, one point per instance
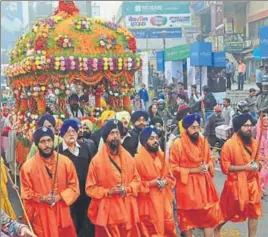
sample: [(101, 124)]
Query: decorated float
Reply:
[(65, 51)]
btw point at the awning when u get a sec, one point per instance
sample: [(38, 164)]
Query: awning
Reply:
[(246, 51)]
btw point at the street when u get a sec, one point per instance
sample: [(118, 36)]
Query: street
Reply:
[(229, 230)]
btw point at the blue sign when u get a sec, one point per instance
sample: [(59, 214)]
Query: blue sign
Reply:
[(219, 59), (160, 61), (200, 6), (201, 54), (256, 54), (264, 42), (157, 33)]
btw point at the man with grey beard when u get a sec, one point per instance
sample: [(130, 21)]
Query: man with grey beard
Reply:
[(240, 161)]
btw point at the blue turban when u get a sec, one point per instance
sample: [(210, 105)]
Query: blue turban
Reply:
[(109, 126), (46, 117), (189, 119), (67, 124), (240, 120), (138, 114), (146, 133), (42, 132)]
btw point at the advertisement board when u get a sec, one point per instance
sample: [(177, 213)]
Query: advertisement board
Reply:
[(264, 42), (219, 59), (152, 8), (234, 43), (201, 54), (157, 33), (157, 21), (11, 26), (160, 61), (177, 53), (177, 71)]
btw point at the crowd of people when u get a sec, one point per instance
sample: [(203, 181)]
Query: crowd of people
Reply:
[(120, 180)]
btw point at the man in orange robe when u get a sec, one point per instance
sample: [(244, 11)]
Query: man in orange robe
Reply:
[(49, 185), (155, 196), (113, 183), (240, 161), (197, 199)]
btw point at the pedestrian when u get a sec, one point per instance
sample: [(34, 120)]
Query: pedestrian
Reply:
[(241, 75), (159, 124), (153, 111), (80, 154), (163, 112), (195, 100), (209, 102), (139, 120), (262, 130), (241, 195), (49, 185), (73, 107), (6, 205), (227, 112), (11, 228), (181, 91), (262, 99), (229, 72), (251, 100), (144, 96), (193, 168), (215, 120), (137, 103), (259, 78), (48, 121), (155, 195), (113, 183), (233, 73)]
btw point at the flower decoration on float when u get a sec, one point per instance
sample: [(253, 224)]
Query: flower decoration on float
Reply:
[(64, 41), (107, 42), (83, 24)]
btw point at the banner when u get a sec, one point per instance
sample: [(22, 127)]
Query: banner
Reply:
[(152, 8), (157, 21), (219, 59), (160, 61), (157, 33), (201, 54), (168, 73), (177, 71), (264, 42), (177, 53)]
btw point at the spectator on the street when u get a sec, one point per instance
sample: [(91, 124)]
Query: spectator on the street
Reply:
[(215, 120), (262, 100), (229, 72), (153, 111), (209, 101), (227, 111), (233, 74), (143, 93), (181, 91), (259, 78), (251, 99), (137, 103), (241, 75), (163, 112), (195, 100), (181, 100)]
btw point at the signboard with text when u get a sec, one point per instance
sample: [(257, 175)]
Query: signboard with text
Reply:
[(177, 53), (154, 8), (234, 43), (160, 61), (219, 59), (157, 21), (201, 54), (264, 42), (157, 33)]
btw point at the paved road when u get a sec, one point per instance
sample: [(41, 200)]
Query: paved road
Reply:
[(229, 230)]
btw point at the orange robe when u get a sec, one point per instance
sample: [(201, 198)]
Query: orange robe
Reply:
[(47, 221), (113, 216), (241, 195), (196, 195), (155, 205)]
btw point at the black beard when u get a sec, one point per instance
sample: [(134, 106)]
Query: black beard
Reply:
[(194, 137), (246, 138), (140, 127), (125, 131), (153, 149), (113, 145), (87, 135), (46, 155)]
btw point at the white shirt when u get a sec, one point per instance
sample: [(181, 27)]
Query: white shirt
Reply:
[(65, 147)]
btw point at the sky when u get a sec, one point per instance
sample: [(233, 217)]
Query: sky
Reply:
[(108, 8)]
